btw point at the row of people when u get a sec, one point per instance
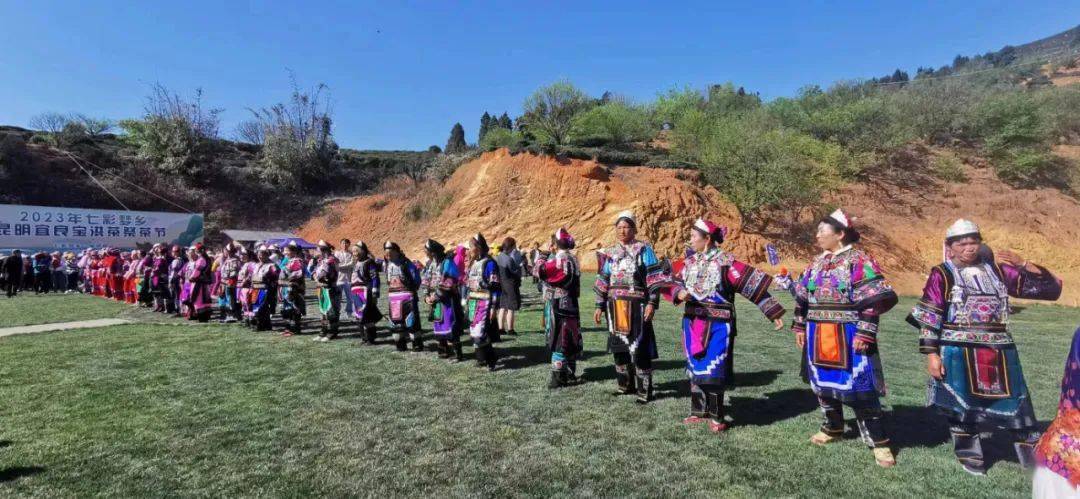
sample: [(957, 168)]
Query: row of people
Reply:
[(962, 316), (40, 272)]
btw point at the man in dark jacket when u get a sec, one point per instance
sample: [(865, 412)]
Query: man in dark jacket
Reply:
[(13, 271)]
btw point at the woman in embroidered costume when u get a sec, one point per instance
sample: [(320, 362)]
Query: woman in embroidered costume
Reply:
[(403, 285), (364, 290), (291, 284), (264, 292), (176, 280), (444, 297), (112, 272), (838, 301), (243, 285), (558, 269), (198, 301), (707, 283), (228, 273), (626, 289), (483, 291), (974, 367), (145, 290), (131, 269), (159, 277), (326, 278), (1057, 455)]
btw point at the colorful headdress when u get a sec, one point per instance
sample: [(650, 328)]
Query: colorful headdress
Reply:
[(628, 216), (563, 236), (390, 245), (840, 218), (710, 229), (323, 245)]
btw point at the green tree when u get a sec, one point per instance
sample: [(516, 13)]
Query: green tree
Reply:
[(485, 125), (176, 134), (504, 121), (758, 168), (499, 137), (614, 122), (726, 99), (673, 105), (456, 142), (298, 144), (549, 112)]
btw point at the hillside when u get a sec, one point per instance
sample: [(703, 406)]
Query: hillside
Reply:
[(528, 196), (34, 171)]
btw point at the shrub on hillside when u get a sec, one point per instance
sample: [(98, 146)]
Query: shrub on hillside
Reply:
[(1030, 167), (550, 111), (759, 168), (298, 146), (948, 168), (499, 137), (614, 123), (670, 107), (176, 135), (1010, 120)]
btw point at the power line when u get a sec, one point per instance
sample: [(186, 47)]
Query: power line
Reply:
[(133, 184), (88, 174)]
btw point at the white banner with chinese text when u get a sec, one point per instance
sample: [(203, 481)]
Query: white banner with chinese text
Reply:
[(50, 228)]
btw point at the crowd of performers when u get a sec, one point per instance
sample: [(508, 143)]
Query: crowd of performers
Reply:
[(962, 317)]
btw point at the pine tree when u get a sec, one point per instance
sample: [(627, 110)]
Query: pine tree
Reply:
[(456, 142), (504, 122), (485, 125)]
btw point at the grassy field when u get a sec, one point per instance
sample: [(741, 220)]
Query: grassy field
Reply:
[(167, 410), (28, 309)]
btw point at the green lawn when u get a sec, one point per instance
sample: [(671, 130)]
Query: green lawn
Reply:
[(155, 410), (28, 309)]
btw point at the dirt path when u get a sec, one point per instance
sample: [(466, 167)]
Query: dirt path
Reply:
[(61, 326)]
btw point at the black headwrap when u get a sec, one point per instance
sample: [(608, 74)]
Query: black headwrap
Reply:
[(480, 242), (435, 247)]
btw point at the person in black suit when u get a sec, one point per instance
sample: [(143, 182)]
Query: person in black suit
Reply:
[(13, 271)]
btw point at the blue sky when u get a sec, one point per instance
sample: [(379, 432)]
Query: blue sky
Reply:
[(401, 73)]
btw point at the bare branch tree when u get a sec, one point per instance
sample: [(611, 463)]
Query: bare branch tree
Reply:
[(51, 122), (94, 126), (250, 131)]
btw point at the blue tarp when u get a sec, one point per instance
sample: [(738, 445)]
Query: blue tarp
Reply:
[(301, 242)]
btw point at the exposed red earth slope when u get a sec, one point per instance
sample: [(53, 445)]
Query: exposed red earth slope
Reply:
[(903, 214)]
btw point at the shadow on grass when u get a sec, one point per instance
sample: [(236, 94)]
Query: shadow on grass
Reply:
[(607, 372), (522, 357), (681, 387), (17, 472), (773, 407), (916, 426), (919, 426)]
